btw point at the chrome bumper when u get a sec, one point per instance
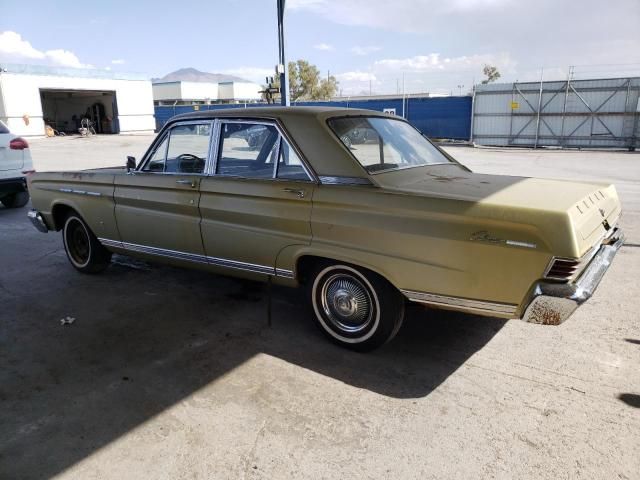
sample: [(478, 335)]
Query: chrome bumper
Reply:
[(552, 303), (38, 221)]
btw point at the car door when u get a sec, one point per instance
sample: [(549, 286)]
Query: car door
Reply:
[(157, 206), (258, 200)]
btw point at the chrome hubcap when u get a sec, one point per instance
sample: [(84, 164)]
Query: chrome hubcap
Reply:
[(346, 303)]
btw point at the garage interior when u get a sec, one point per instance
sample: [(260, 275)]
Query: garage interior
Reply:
[(67, 111)]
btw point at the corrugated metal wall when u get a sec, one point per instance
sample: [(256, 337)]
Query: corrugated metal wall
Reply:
[(446, 117), (577, 113)]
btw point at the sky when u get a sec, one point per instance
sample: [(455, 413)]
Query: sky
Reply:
[(369, 45)]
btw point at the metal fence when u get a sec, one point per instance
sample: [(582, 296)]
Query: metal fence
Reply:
[(572, 113), (445, 117)]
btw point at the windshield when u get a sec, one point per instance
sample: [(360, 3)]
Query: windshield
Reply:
[(383, 144)]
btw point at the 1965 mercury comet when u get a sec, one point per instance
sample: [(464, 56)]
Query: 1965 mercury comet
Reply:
[(286, 194)]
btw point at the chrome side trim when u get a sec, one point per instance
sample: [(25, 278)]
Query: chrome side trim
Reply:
[(247, 267), (196, 258), (110, 243), (281, 272), (80, 192), (326, 180), (463, 304)]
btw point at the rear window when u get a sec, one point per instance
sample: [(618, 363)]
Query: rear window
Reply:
[(4, 128), (384, 144)]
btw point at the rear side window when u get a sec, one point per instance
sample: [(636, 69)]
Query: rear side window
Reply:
[(4, 128), (248, 150)]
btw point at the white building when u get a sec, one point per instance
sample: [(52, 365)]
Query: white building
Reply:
[(32, 96), (198, 93)]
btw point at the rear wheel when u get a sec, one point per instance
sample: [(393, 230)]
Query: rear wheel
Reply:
[(16, 200), (354, 307), (83, 249)]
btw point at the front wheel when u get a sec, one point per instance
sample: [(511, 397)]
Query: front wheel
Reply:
[(354, 307), (83, 249)]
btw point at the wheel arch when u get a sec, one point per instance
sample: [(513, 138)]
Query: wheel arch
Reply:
[(60, 210), (306, 261)]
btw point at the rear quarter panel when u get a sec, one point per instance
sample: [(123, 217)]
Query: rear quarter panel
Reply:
[(424, 244)]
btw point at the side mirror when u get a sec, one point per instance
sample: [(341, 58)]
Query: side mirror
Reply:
[(131, 163)]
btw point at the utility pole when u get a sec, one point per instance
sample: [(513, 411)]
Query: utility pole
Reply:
[(282, 62)]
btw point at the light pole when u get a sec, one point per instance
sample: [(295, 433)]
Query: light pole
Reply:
[(460, 87), (284, 77)]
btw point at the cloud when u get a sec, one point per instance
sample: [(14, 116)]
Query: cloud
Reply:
[(357, 50), (543, 33), (323, 47), (255, 74), (434, 62), (356, 76), (117, 61), (13, 47)]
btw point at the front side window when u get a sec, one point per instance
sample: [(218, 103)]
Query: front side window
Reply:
[(156, 162), (247, 150), (384, 144), (183, 150)]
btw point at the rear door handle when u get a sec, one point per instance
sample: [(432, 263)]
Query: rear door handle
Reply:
[(191, 183), (299, 193)]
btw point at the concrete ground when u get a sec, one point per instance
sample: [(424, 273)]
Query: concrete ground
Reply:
[(170, 373)]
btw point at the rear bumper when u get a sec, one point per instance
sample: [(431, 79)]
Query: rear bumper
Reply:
[(12, 185), (38, 221), (552, 303)]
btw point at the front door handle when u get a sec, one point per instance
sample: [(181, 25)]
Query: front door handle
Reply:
[(299, 193), (191, 183)]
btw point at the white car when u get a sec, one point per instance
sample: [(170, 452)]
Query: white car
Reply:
[(15, 165)]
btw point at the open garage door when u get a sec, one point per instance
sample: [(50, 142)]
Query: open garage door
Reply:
[(69, 110)]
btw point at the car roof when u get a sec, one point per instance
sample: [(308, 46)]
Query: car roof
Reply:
[(278, 112), (308, 128)]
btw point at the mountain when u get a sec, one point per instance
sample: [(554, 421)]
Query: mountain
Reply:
[(193, 75)]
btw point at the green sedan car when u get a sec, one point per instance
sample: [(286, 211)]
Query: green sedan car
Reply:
[(283, 194)]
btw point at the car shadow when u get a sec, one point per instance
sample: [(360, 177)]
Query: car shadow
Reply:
[(631, 399), (144, 339)]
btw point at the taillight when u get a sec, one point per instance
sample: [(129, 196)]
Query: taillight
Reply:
[(18, 144)]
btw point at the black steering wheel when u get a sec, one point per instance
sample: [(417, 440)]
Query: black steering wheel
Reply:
[(188, 162)]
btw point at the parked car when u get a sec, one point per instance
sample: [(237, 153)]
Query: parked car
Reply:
[(364, 229), (15, 165)]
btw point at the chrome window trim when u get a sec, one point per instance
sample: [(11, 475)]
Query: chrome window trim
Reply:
[(503, 310), (329, 180), (167, 133), (212, 161), (197, 258)]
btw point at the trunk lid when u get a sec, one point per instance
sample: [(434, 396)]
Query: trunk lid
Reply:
[(588, 207)]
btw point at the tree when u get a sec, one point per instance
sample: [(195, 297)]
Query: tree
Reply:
[(491, 73), (305, 83)]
